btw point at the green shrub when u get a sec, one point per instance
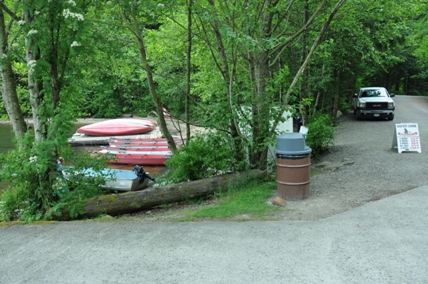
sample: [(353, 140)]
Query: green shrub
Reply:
[(320, 134), (204, 156), (37, 190)]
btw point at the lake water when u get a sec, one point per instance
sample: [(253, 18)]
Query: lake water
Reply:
[(6, 138), (6, 144)]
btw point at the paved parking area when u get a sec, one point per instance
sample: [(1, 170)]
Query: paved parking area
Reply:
[(385, 241)]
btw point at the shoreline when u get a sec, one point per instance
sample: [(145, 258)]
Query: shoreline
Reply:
[(79, 121)]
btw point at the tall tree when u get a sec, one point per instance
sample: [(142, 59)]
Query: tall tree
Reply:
[(47, 55), (50, 32), (261, 34), (135, 18), (188, 65), (9, 93)]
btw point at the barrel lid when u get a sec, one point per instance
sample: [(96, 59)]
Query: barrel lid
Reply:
[(291, 144), (305, 151)]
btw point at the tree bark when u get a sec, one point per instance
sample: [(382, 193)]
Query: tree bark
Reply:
[(336, 98), (9, 94), (33, 87), (260, 107), (189, 67), (115, 204)]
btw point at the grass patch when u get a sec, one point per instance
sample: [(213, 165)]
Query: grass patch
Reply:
[(242, 202), (251, 202)]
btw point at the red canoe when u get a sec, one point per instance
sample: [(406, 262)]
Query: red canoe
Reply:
[(140, 144), (140, 149), (115, 150), (138, 159), (120, 126), (141, 139)]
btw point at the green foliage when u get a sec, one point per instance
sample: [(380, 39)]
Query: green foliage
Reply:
[(37, 190), (31, 186), (106, 105), (204, 156), (320, 134)]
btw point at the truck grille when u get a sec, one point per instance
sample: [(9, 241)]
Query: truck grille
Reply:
[(376, 105)]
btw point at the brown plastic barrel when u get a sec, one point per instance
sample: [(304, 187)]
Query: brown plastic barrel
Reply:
[(293, 177)]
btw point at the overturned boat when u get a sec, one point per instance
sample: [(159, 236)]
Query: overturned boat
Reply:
[(116, 179)]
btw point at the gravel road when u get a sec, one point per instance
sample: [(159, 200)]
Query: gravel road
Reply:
[(363, 167)]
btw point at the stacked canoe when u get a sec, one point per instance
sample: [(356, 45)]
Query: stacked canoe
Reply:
[(134, 150), (139, 151)]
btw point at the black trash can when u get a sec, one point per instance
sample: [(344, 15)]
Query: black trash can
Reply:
[(293, 166)]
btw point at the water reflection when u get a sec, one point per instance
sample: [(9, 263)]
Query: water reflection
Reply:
[(6, 138), (6, 144)]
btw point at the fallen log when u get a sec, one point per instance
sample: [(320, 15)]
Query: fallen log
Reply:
[(121, 203)]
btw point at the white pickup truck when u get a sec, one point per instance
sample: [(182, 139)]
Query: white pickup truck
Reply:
[(373, 102)]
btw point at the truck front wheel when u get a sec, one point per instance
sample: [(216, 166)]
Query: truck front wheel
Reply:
[(358, 115)]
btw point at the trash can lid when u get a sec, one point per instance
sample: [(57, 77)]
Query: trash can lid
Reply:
[(291, 143)]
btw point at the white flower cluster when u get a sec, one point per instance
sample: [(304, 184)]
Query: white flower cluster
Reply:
[(31, 66), (32, 32), (75, 43), (67, 13), (71, 2), (21, 22), (33, 159)]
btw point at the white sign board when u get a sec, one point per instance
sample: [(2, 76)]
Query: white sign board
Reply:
[(406, 137), (303, 130)]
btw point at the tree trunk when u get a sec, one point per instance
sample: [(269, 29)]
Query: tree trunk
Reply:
[(189, 68), (10, 97), (155, 96), (260, 108), (336, 98), (114, 204), (304, 93), (227, 74), (33, 87)]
